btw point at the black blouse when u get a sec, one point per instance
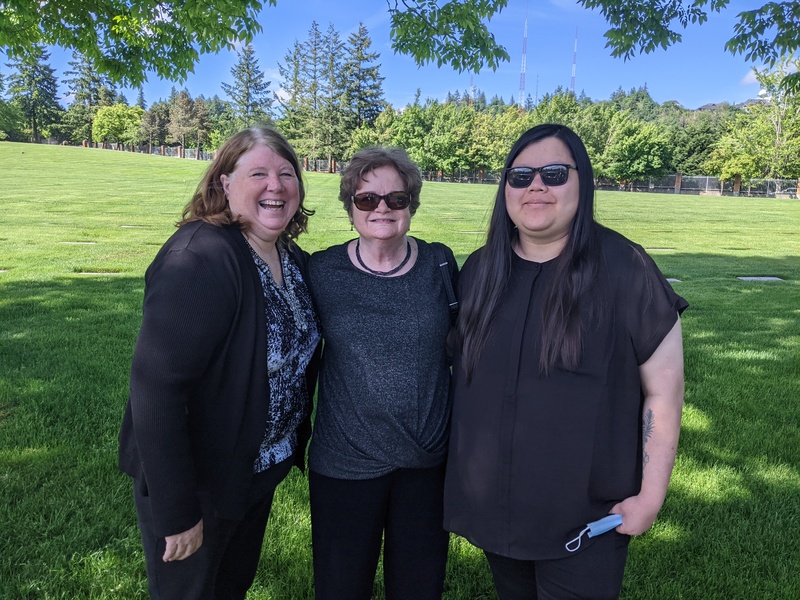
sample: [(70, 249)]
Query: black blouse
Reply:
[(534, 458)]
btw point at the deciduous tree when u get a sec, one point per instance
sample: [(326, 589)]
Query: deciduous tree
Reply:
[(764, 34)]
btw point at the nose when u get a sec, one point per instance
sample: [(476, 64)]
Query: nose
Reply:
[(382, 207), (537, 182), (274, 181)]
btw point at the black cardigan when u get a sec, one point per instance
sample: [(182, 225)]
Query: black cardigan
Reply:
[(199, 385)]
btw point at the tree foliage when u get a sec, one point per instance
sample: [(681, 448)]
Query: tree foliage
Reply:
[(453, 33), (766, 34), (118, 123), (251, 99), (34, 90), (127, 38)]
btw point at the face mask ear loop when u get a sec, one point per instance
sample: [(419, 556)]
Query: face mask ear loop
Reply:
[(576, 542)]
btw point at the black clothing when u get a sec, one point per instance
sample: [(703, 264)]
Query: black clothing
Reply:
[(383, 385), (199, 393), (534, 458)]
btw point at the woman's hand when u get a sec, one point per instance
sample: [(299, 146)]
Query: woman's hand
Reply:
[(183, 545), (638, 514)]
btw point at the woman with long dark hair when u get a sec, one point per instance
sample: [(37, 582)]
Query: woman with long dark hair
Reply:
[(568, 383)]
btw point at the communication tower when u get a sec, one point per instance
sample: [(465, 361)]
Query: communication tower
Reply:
[(521, 98), (574, 61)]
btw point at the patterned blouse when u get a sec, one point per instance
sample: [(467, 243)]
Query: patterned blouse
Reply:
[(293, 332)]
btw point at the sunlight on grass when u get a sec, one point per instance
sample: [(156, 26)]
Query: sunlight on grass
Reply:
[(72, 281), (694, 419), (709, 484)]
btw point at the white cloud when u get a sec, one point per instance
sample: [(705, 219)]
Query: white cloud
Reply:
[(749, 78)]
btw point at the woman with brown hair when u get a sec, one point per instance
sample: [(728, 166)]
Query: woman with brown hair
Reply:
[(223, 372)]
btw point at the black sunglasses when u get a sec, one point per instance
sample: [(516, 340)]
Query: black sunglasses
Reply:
[(522, 177), (370, 201)]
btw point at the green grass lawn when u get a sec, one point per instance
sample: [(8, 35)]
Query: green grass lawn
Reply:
[(78, 229)]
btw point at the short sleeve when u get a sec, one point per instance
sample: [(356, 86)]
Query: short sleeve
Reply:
[(651, 305)]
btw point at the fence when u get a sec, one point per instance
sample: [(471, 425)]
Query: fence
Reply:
[(711, 186)]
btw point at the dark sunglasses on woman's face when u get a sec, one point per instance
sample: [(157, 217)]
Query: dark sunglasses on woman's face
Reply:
[(522, 177), (370, 201)]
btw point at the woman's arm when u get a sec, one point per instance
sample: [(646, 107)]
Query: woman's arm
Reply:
[(663, 385)]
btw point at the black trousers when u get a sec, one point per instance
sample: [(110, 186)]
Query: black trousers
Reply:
[(225, 565), (348, 519), (594, 573)]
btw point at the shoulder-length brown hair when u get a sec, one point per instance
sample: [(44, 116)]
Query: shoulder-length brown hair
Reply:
[(209, 203)]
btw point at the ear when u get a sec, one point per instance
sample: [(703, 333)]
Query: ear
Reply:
[(225, 180)]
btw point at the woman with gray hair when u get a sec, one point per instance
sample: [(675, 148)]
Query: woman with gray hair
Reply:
[(377, 455)]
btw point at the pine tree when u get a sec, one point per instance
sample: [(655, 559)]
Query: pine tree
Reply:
[(312, 74), (363, 80), (249, 92), (181, 118), (33, 89), (331, 119), (140, 102), (89, 89), (293, 101)]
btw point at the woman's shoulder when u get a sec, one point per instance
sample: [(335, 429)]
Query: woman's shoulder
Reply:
[(619, 250), (329, 256)]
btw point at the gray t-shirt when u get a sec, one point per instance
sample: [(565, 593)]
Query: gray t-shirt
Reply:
[(383, 386)]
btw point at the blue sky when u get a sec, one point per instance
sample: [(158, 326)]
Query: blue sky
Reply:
[(695, 72)]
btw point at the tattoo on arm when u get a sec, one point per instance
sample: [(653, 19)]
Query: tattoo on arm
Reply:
[(648, 422)]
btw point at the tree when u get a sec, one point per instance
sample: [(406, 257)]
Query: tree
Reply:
[(333, 120), (126, 39), (118, 123), (766, 34), (364, 83), (89, 89), (250, 97), (181, 118), (34, 90), (636, 150), (294, 90), (764, 141), (153, 127), (311, 72), (454, 33), (10, 118)]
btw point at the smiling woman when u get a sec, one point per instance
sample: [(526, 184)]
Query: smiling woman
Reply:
[(223, 372)]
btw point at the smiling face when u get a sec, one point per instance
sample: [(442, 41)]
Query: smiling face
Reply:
[(543, 214), (263, 190), (382, 223)]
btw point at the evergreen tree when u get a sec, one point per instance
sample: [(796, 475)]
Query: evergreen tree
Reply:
[(202, 124), (34, 90), (153, 127), (181, 118), (362, 75), (294, 93), (140, 102), (89, 89), (312, 74), (332, 120), (249, 93)]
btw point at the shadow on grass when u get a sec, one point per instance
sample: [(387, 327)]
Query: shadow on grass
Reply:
[(730, 527)]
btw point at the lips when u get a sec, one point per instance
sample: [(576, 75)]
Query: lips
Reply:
[(271, 204)]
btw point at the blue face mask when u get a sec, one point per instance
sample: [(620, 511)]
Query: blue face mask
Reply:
[(595, 528)]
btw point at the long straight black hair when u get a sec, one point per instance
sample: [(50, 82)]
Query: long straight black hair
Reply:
[(576, 268)]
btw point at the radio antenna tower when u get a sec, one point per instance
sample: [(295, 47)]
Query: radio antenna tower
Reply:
[(521, 98), (471, 90), (574, 61)]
